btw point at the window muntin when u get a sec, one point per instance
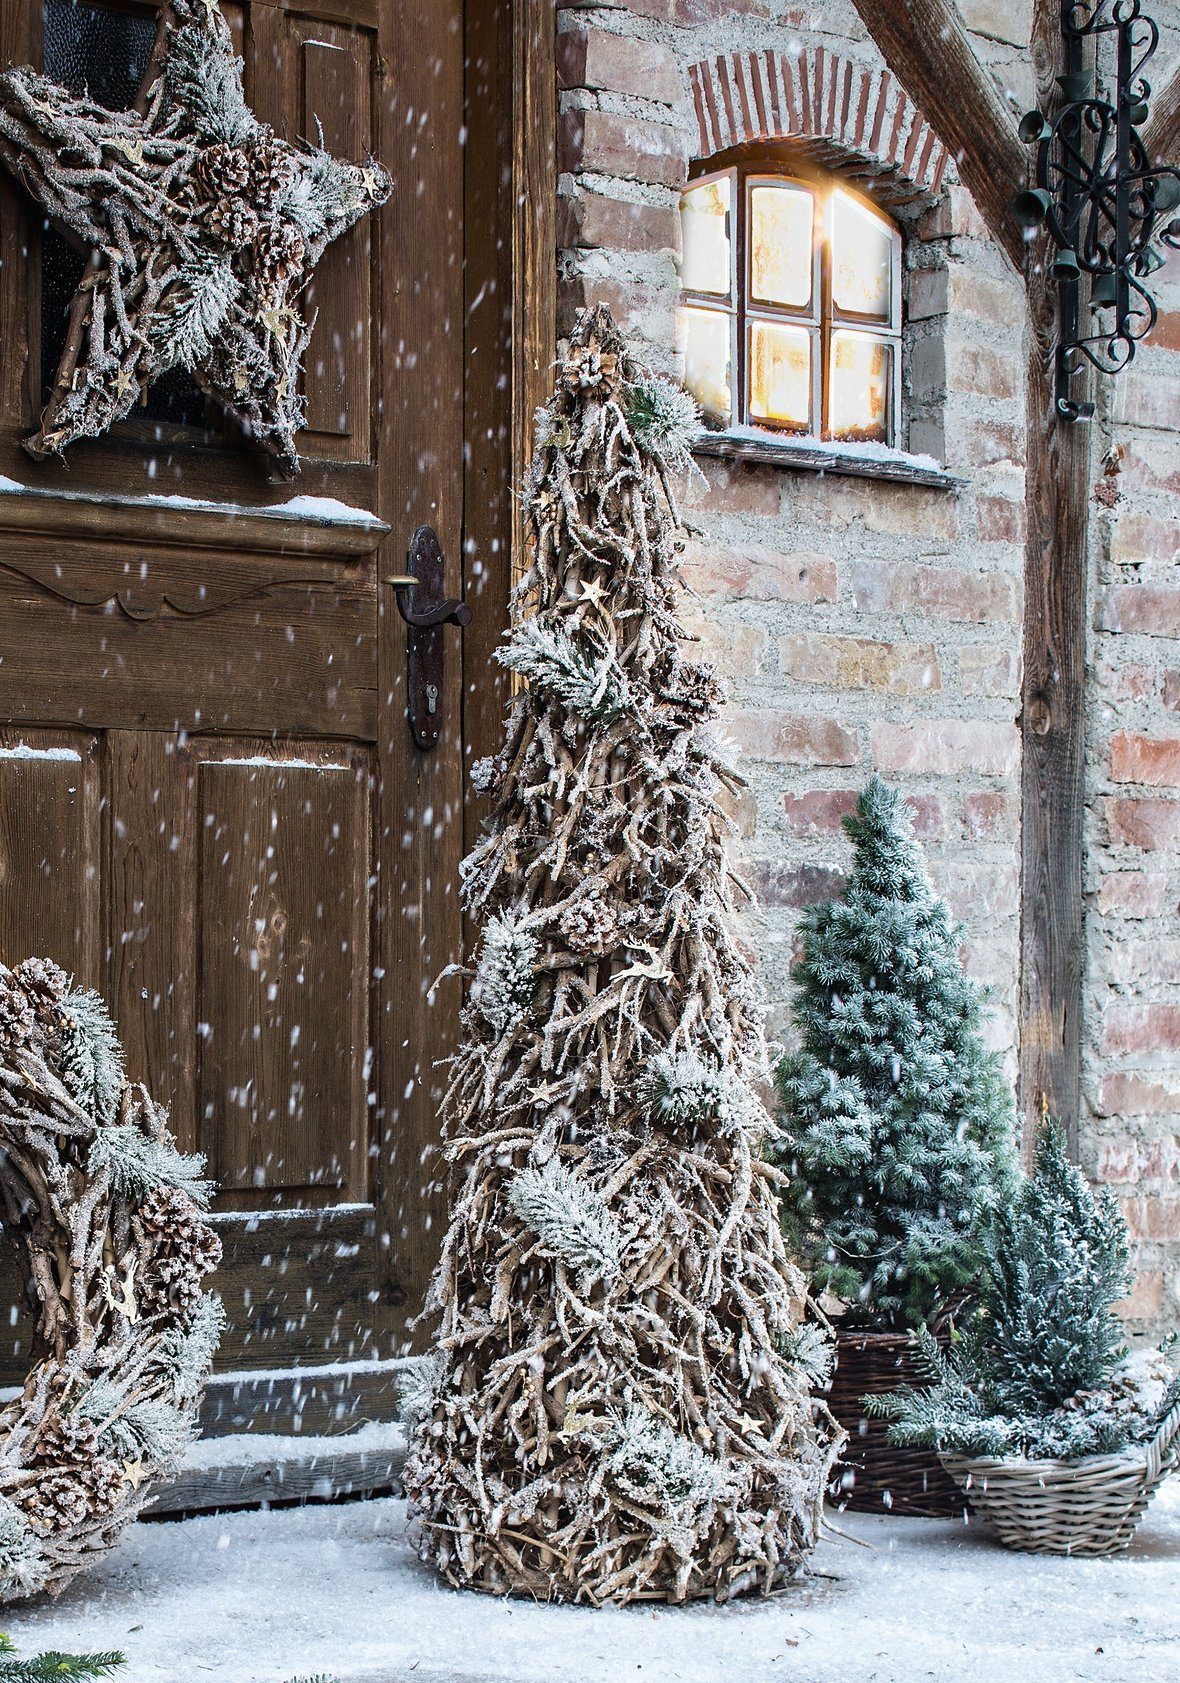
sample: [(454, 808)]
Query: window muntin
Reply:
[(791, 317)]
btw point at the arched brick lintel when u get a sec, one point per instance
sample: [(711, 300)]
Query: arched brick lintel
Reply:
[(820, 97)]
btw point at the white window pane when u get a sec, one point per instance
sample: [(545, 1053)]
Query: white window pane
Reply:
[(862, 260), (780, 375), (704, 225), (707, 358), (860, 396), (782, 246)]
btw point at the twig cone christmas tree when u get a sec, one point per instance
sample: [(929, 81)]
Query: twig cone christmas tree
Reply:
[(618, 1406)]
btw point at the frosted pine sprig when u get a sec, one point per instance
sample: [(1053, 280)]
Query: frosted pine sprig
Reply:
[(664, 419), (504, 980), (23, 1568), (656, 1465), (570, 1219), (140, 1164), (185, 1354), (590, 685), (200, 303), (91, 1058)]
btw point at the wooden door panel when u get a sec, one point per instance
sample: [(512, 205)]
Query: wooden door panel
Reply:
[(282, 955), (168, 639), (51, 849)]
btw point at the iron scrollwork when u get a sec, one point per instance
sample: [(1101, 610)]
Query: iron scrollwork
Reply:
[(1106, 209)]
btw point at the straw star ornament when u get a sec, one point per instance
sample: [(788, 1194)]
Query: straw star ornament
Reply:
[(204, 227)]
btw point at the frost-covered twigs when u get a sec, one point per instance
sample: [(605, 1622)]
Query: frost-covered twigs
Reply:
[(619, 1404), (104, 1214)]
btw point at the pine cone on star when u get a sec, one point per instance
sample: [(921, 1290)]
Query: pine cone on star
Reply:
[(177, 1250), (232, 222), (222, 172), (279, 256), (18, 1019), (272, 170)]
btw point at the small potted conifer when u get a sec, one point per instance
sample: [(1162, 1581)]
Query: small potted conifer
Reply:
[(1057, 1435), (898, 1136)]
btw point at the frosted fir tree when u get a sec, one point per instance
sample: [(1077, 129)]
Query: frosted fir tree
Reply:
[(1041, 1368), (618, 1403), (899, 1126)]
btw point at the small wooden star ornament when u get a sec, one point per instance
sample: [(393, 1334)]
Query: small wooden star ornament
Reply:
[(204, 228)]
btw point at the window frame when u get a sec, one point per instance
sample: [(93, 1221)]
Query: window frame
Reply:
[(823, 320)]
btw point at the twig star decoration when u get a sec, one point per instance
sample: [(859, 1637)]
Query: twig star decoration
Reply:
[(204, 227)]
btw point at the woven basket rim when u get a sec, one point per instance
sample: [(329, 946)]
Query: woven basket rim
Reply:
[(1134, 1455)]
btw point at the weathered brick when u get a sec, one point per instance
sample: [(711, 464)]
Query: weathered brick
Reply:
[(755, 573), (768, 733), (626, 64), (737, 651), (860, 663), (632, 148), (735, 488), (955, 213), (947, 747), (986, 670), (820, 812), (1146, 398), (1145, 538), (1147, 824), (1154, 1217), (594, 220), (1146, 1301), (999, 520), (978, 888), (973, 294), (1141, 1029), (928, 293), (1133, 894), (741, 807), (1172, 691), (987, 443), (799, 886), (982, 372), (1137, 962), (954, 593), (990, 815), (1153, 610), (1127, 1094), (1130, 682), (1153, 760)]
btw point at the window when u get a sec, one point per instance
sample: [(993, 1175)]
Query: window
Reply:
[(791, 305)]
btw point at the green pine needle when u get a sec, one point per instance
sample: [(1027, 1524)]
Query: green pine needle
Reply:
[(46, 1667)]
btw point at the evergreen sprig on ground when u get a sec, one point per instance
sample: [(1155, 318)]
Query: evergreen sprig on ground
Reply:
[(55, 1666), (899, 1126), (1041, 1368)]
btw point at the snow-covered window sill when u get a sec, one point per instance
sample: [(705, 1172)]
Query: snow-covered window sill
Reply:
[(814, 455)]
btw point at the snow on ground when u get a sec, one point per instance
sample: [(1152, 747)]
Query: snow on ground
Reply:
[(260, 1598)]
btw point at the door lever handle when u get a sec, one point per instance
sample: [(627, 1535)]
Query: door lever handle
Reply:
[(425, 610)]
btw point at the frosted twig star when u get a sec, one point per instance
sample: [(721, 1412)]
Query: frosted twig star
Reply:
[(204, 228)]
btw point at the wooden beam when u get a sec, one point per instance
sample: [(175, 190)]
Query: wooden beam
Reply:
[(1053, 712), (1161, 135), (927, 48)]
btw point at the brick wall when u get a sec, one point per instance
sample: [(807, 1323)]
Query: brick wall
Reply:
[(866, 625)]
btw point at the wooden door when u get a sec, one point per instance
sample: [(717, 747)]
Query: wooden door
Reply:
[(210, 804)]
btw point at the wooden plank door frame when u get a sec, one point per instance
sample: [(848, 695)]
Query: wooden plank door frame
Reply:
[(476, 397)]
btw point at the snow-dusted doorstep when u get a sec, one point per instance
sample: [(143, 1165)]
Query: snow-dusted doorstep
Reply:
[(316, 511)]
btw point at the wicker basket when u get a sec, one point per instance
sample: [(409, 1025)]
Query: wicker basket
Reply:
[(874, 1475), (1082, 1507)]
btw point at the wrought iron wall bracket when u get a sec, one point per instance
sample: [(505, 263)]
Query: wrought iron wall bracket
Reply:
[(421, 603), (1106, 209)]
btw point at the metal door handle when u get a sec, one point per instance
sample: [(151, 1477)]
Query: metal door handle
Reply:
[(421, 603)]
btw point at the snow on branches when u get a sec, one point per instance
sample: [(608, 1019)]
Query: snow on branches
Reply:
[(619, 1404)]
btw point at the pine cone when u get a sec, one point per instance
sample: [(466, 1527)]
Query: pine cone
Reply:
[(690, 690), (591, 371), (233, 222), (67, 1440), (272, 170), (46, 985), (590, 925), (57, 1501), (222, 172), (279, 257), (18, 1020), (176, 1249)]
